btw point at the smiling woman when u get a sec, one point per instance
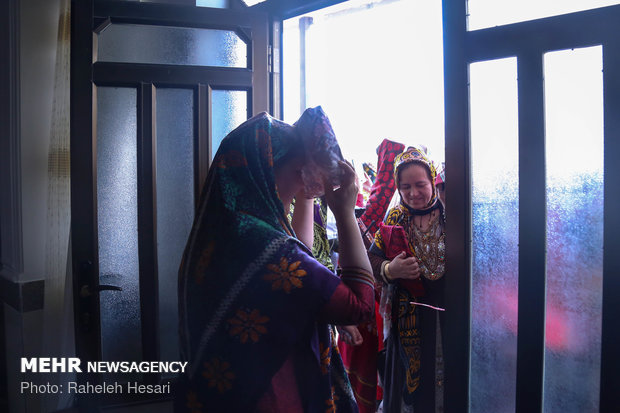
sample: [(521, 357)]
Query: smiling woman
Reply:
[(415, 186), (408, 259)]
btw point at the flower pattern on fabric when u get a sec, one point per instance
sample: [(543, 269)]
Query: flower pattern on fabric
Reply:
[(285, 277), (393, 217), (248, 325), (325, 357), (320, 247), (203, 262), (218, 374), (192, 402), (331, 402), (241, 212)]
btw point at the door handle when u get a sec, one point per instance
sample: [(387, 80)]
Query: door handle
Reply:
[(86, 292)]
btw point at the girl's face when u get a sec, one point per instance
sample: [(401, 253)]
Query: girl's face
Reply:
[(415, 186), (288, 179)]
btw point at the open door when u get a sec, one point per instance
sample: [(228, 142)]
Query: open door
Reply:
[(155, 88), (532, 143)]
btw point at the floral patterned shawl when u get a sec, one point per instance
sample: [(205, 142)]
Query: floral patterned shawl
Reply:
[(249, 292)]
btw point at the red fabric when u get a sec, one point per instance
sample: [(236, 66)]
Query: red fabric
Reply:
[(282, 396), (360, 200), (361, 364), (380, 345), (395, 241), (351, 303), (384, 187)]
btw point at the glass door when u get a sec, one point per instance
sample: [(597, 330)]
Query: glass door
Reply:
[(155, 89), (573, 210), (532, 106)]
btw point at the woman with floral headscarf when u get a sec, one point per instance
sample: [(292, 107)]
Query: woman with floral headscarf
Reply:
[(254, 304), (408, 258)]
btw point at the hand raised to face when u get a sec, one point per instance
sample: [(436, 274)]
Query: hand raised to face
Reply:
[(341, 200)]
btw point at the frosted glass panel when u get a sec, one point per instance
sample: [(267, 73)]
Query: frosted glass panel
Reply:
[(574, 159), (489, 13), (134, 43), (495, 208), (220, 4), (117, 214), (229, 110), (175, 203)]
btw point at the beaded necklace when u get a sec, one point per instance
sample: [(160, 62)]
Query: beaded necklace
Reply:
[(429, 246)]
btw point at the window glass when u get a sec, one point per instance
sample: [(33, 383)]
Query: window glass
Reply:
[(574, 163), (495, 231), (229, 110), (489, 13), (175, 203), (117, 215), (137, 43), (219, 4)]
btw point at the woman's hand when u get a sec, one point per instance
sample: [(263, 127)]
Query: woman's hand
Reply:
[(350, 335), (351, 250), (403, 267), (342, 200)]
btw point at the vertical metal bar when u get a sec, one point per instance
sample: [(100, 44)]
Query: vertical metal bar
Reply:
[(304, 23), (532, 234), (276, 66), (209, 126), (83, 194), (610, 356), (11, 240), (250, 103), (202, 158), (147, 226), (458, 209)]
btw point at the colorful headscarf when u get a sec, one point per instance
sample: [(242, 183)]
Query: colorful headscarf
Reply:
[(415, 155), (322, 151), (249, 292)]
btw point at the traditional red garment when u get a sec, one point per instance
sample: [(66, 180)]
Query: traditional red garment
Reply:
[(395, 242)]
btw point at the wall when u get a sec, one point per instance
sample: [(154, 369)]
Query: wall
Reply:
[(38, 33), (22, 292)]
